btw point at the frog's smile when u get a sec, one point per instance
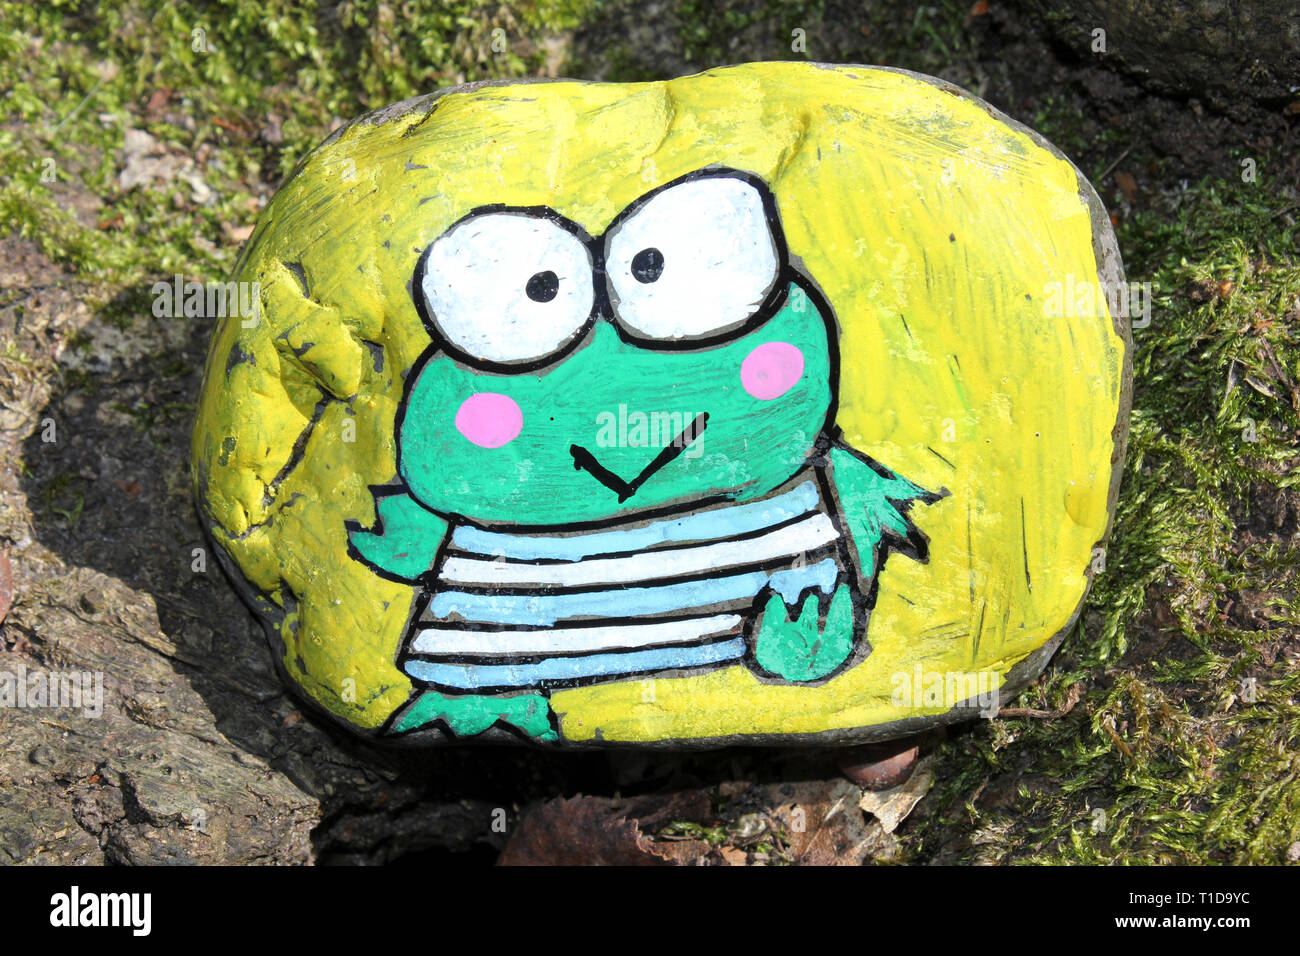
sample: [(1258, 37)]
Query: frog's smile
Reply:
[(585, 460)]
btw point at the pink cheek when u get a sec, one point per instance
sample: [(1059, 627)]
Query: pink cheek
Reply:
[(489, 420), (771, 370)]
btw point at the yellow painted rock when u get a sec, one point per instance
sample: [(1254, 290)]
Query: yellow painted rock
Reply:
[(782, 401)]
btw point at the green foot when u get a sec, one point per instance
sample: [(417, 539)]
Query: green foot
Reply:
[(469, 715), (799, 650)]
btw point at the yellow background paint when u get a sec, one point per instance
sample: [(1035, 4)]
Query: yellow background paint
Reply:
[(947, 351)]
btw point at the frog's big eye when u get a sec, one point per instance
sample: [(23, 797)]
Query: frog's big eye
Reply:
[(695, 261), (507, 288)]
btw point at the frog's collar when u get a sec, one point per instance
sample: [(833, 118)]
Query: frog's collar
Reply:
[(699, 520)]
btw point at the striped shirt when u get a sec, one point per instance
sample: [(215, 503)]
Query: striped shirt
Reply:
[(541, 610)]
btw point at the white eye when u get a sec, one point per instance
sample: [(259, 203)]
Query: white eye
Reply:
[(696, 260), (507, 287)]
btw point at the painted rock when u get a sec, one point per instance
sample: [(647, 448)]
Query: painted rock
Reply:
[(779, 403)]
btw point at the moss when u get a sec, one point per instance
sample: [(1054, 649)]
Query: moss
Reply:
[(209, 81), (1063, 124), (61, 496), (622, 67), (1184, 723), (686, 830)]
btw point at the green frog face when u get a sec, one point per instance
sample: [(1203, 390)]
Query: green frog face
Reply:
[(677, 357)]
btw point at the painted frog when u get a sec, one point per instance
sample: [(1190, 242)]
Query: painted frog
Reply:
[(618, 460)]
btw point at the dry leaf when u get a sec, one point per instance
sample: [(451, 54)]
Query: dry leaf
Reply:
[(581, 831), (1127, 184), (891, 807), (980, 8), (816, 823), (603, 831)]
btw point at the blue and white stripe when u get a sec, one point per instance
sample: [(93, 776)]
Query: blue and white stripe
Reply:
[(515, 610)]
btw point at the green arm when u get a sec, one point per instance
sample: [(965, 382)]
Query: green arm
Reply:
[(404, 541), (873, 502)]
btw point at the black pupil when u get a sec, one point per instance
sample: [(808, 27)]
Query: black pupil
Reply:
[(648, 265), (543, 286)]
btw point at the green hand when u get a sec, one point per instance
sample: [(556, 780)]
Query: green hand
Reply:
[(800, 650), (409, 539), (874, 506)]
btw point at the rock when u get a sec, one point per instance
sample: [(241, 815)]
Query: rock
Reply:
[(1243, 51), (783, 403), (880, 766)]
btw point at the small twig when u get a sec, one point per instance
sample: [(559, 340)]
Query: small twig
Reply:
[(1028, 712), (1073, 697), (1111, 168), (1281, 375), (76, 109), (1119, 741)]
